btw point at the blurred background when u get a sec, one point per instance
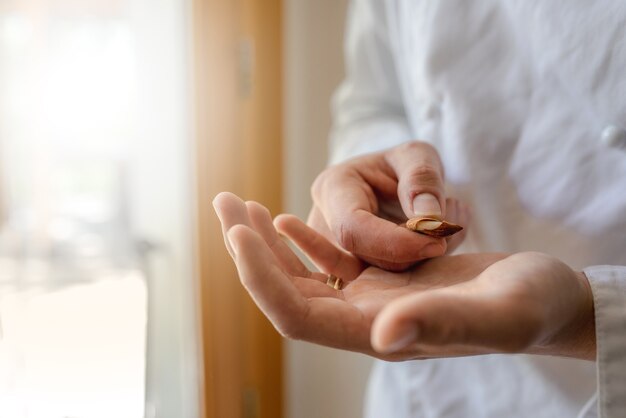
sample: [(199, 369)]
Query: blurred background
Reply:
[(119, 122)]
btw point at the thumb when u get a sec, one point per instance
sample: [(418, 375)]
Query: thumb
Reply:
[(449, 317), (420, 179)]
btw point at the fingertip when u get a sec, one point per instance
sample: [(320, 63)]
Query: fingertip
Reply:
[(219, 198), (290, 226), (284, 220), (389, 335), (403, 317), (378, 333), (236, 235), (226, 204), (434, 250), (251, 252), (420, 246), (223, 198), (261, 219), (218, 202), (376, 329), (257, 208)]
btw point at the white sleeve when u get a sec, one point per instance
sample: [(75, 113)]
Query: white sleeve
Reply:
[(608, 284), (368, 109)]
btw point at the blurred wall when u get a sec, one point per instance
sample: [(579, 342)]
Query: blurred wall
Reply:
[(320, 382)]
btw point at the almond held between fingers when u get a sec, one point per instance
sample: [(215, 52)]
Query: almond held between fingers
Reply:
[(433, 227)]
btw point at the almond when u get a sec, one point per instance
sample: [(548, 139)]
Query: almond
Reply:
[(433, 227)]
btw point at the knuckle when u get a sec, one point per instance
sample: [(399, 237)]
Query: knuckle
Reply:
[(424, 178), (324, 178), (418, 162), (259, 210), (424, 173), (408, 147), (264, 211), (318, 184), (416, 146)]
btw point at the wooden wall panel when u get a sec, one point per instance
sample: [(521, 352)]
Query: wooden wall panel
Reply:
[(238, 79)]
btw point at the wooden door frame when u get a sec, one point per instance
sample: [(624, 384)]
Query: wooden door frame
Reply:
[(238, 111)]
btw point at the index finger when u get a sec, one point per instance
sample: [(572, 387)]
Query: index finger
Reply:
[(323, 320), (367, 235), (349, 205)]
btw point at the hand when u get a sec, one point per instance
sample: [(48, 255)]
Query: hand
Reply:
[(360, 203), (448, 306)]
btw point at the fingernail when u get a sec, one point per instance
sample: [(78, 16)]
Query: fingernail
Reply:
[(405, 337), (426, 204)]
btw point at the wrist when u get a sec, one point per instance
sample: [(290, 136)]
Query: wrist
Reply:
[(577, 337)]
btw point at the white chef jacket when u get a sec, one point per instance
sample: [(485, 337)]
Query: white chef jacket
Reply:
[(526, 102)]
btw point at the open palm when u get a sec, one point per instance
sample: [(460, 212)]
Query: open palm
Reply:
[(447, 306)]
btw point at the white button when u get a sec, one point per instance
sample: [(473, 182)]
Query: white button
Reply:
[(614, 136)]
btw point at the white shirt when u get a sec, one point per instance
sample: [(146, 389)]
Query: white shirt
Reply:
[(526, 102)]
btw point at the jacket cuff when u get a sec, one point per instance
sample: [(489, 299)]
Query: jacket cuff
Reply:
[(608, 284)]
